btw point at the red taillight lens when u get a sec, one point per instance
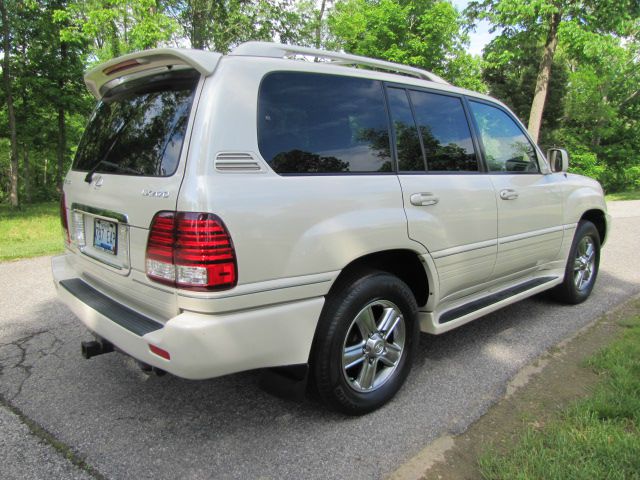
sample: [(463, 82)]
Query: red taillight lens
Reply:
[(63, 218), (191, 250)]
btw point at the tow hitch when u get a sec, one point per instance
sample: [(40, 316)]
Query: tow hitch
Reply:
[(95, 348)]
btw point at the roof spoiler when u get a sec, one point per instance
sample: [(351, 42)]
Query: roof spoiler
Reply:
[(98, 77)]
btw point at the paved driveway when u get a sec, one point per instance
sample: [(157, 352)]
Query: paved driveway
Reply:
[(124, 424)]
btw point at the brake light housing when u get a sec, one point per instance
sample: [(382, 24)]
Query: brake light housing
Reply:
[(191, 250)]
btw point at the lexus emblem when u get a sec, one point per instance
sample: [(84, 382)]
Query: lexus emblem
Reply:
[(99, 181)]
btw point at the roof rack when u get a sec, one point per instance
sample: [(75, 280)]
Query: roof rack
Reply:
[(277, 50)]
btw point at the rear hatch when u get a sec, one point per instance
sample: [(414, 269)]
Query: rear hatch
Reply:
[(129, 166)]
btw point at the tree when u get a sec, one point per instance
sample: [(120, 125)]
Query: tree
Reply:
[(543, 19), (510, 69), (424, 34), (110, 28), (8, 91), (220, 25)]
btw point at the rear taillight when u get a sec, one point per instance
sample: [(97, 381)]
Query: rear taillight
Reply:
[(63, 218), (191, 250)]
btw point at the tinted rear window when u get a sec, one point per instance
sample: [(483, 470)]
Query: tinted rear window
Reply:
[(139, 127), (315, 123)]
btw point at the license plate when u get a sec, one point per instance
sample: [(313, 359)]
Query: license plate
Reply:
[(105, 236)]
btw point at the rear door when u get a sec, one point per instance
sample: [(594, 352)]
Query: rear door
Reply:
[(129, 165), (449, 202), (530, 203)]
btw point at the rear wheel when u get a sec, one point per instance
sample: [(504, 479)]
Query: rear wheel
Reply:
[(582, 265), (365, 342)]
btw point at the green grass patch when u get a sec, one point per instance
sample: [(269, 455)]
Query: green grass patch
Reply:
[(598, 437), (628, 195), (30, 231)]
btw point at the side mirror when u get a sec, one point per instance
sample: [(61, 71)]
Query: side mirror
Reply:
[(558, 159)]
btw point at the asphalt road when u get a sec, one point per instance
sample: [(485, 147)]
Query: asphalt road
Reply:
[(124, 424)]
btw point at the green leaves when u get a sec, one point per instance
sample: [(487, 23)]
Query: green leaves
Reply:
[(425, 34)]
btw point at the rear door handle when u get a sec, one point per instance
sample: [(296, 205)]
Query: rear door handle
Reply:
[(508, 194), (424, 199)]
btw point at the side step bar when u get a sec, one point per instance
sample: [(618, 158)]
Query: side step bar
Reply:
[(494, 298)]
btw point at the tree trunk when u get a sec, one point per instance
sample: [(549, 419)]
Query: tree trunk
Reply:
[(62, 146), (198, 20), (27, 175), (544, 74), (114, 40), (319, 25), (62, 128), (6, 78)]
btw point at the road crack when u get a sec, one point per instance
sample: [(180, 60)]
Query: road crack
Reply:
[(44, 435)]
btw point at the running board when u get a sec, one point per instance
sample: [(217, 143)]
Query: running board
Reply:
[(491, 299), (462, 314)]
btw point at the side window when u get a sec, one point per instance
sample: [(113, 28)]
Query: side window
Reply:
[(410, 158), (445, 132), (316, 123), (506, 148)]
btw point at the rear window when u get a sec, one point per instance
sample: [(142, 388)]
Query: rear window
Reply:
[(317, 123), (138, 128)]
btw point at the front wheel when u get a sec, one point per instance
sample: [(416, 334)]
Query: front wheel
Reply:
[(365, 342), (582, 265)]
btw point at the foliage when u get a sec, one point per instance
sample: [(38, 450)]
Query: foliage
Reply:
[(425, 34), (114, 27), (599, 437), (30, 231), (220, 25), (592, 108), (593, 105)]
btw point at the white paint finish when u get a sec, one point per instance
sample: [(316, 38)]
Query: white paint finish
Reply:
[(150, 61), (464, 270), (255, 295), (283, 226), (294, 234), (459, 231), (206, 346), (580, 195), (529, 226)]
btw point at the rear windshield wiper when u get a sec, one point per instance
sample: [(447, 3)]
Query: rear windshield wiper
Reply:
[(115, 166)]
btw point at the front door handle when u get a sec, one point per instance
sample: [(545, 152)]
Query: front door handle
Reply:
[(508, 194), (424, 199)]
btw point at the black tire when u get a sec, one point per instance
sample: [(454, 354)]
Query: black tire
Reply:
[(344, 318), (573, 290)]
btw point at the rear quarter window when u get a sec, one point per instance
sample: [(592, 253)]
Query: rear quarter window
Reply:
[(316, 123)]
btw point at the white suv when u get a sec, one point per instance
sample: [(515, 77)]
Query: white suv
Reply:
[(228, 213)]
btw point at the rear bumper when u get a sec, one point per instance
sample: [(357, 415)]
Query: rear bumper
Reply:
[(200, 345)]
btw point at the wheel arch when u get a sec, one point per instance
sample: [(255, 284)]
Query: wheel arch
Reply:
[(404, 264), (598, 218)]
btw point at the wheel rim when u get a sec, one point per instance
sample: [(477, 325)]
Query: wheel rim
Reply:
[(584, 264), (373, 346)]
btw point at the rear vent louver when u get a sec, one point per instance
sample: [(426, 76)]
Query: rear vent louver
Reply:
[(237, 162)]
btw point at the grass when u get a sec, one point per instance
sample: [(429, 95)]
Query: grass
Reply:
[(599, 437), (628, 195), (30, 231)]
